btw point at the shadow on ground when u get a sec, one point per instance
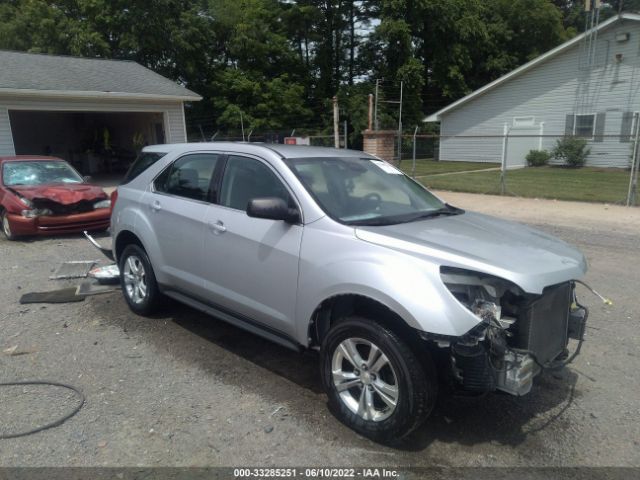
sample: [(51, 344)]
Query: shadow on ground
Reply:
[(495, 418)]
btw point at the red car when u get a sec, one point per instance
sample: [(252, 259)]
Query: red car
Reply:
[(46, 196)]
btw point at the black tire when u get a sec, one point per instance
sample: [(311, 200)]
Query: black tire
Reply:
[(6, 227), (414, 374), (142, 304)]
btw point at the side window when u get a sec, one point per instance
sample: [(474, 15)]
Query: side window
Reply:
[(189, 176), (245, 179), (144, 161)]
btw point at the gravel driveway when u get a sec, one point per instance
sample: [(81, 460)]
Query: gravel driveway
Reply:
[(185, 389)]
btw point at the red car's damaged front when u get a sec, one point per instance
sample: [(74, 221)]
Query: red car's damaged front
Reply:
[(46, 196)]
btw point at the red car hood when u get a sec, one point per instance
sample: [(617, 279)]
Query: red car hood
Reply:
[(63, 193)]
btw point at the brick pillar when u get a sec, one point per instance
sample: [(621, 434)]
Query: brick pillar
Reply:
[(380, 143)]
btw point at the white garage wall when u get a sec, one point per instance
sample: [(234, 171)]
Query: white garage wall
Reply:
[(6, 140), (173, 114)]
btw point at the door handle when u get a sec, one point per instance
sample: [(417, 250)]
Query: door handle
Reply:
[(155, 206), (218, 227)]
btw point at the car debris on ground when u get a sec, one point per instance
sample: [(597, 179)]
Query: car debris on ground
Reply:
[(73, 269)]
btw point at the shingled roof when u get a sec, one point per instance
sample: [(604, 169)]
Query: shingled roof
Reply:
[(33, 74)]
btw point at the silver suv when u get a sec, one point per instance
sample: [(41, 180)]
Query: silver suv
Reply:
[(338, 251)]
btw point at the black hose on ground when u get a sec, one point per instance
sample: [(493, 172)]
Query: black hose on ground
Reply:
[(60, 421)]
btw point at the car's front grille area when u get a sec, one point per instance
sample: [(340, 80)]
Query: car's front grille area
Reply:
[(542, 326), (82, 206)]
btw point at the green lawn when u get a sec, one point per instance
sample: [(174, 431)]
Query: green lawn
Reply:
[(429, 167), (583, 184)]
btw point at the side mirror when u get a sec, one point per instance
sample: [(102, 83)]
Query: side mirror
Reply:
[(86, 178), (272, 208)]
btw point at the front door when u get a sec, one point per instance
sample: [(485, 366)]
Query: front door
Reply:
[(252, 263)]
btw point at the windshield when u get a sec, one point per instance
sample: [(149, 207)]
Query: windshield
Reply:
[(366, 191), (39, 173)]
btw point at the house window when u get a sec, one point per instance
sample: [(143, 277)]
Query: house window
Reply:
[(584, 125), (523, 121)]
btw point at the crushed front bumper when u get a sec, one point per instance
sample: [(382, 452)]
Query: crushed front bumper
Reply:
[(60, 224), (508, 359)]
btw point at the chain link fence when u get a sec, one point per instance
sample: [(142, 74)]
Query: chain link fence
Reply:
[(198, 133), (521, 162), (517, 162)]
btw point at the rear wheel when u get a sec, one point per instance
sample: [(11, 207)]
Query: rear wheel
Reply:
[(138, 281), (375, 382), (6, 227)]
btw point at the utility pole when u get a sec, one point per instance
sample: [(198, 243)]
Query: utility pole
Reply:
[(336, 128), (345, 134), (242, 125), (375, 109), (413, 165), (503, 163), (633, 177), (370, 110), (400, 126)]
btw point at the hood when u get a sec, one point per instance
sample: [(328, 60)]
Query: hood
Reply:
[(62, 193), (525, 256)]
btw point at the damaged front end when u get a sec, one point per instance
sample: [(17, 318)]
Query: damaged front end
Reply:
[(35, 214), (520, 334)]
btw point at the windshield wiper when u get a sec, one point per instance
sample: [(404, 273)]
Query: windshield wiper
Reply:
[(408, 218), (446, 211), (377, 221)]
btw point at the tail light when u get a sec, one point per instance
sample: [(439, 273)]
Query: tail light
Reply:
[(114, 198)]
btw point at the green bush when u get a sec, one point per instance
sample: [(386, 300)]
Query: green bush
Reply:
[(538, 158), (572, 150)]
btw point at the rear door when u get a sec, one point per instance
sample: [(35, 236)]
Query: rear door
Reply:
[(177, 204), (252, 263)]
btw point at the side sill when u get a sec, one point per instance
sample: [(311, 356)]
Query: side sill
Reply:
[(244, 323)]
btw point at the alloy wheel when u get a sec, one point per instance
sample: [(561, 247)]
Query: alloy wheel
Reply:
[(365, 379), (6, 227), (135, 279)]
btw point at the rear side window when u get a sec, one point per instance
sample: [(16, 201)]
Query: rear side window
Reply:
[(144, 161), (189, 177)]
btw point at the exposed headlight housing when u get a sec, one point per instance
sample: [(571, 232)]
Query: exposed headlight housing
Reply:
[(25, 201), (102, 204), (480, 293)]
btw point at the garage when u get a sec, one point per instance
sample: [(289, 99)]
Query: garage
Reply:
[(97, 114), (93, 142)]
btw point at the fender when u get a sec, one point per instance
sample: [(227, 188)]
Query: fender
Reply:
[(404, 284)]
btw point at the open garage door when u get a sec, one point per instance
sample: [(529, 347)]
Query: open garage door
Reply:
[(93, 142)]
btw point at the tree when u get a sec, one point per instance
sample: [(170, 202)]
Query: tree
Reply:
[(281, 61)]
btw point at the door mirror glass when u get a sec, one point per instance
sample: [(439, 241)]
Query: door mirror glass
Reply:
[(272, 208)]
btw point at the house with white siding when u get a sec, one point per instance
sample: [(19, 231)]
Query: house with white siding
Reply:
[(587, 87), (94, 113)]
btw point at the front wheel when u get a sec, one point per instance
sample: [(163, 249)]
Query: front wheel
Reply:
[(6, 226), (138, 281), (375, 382)]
